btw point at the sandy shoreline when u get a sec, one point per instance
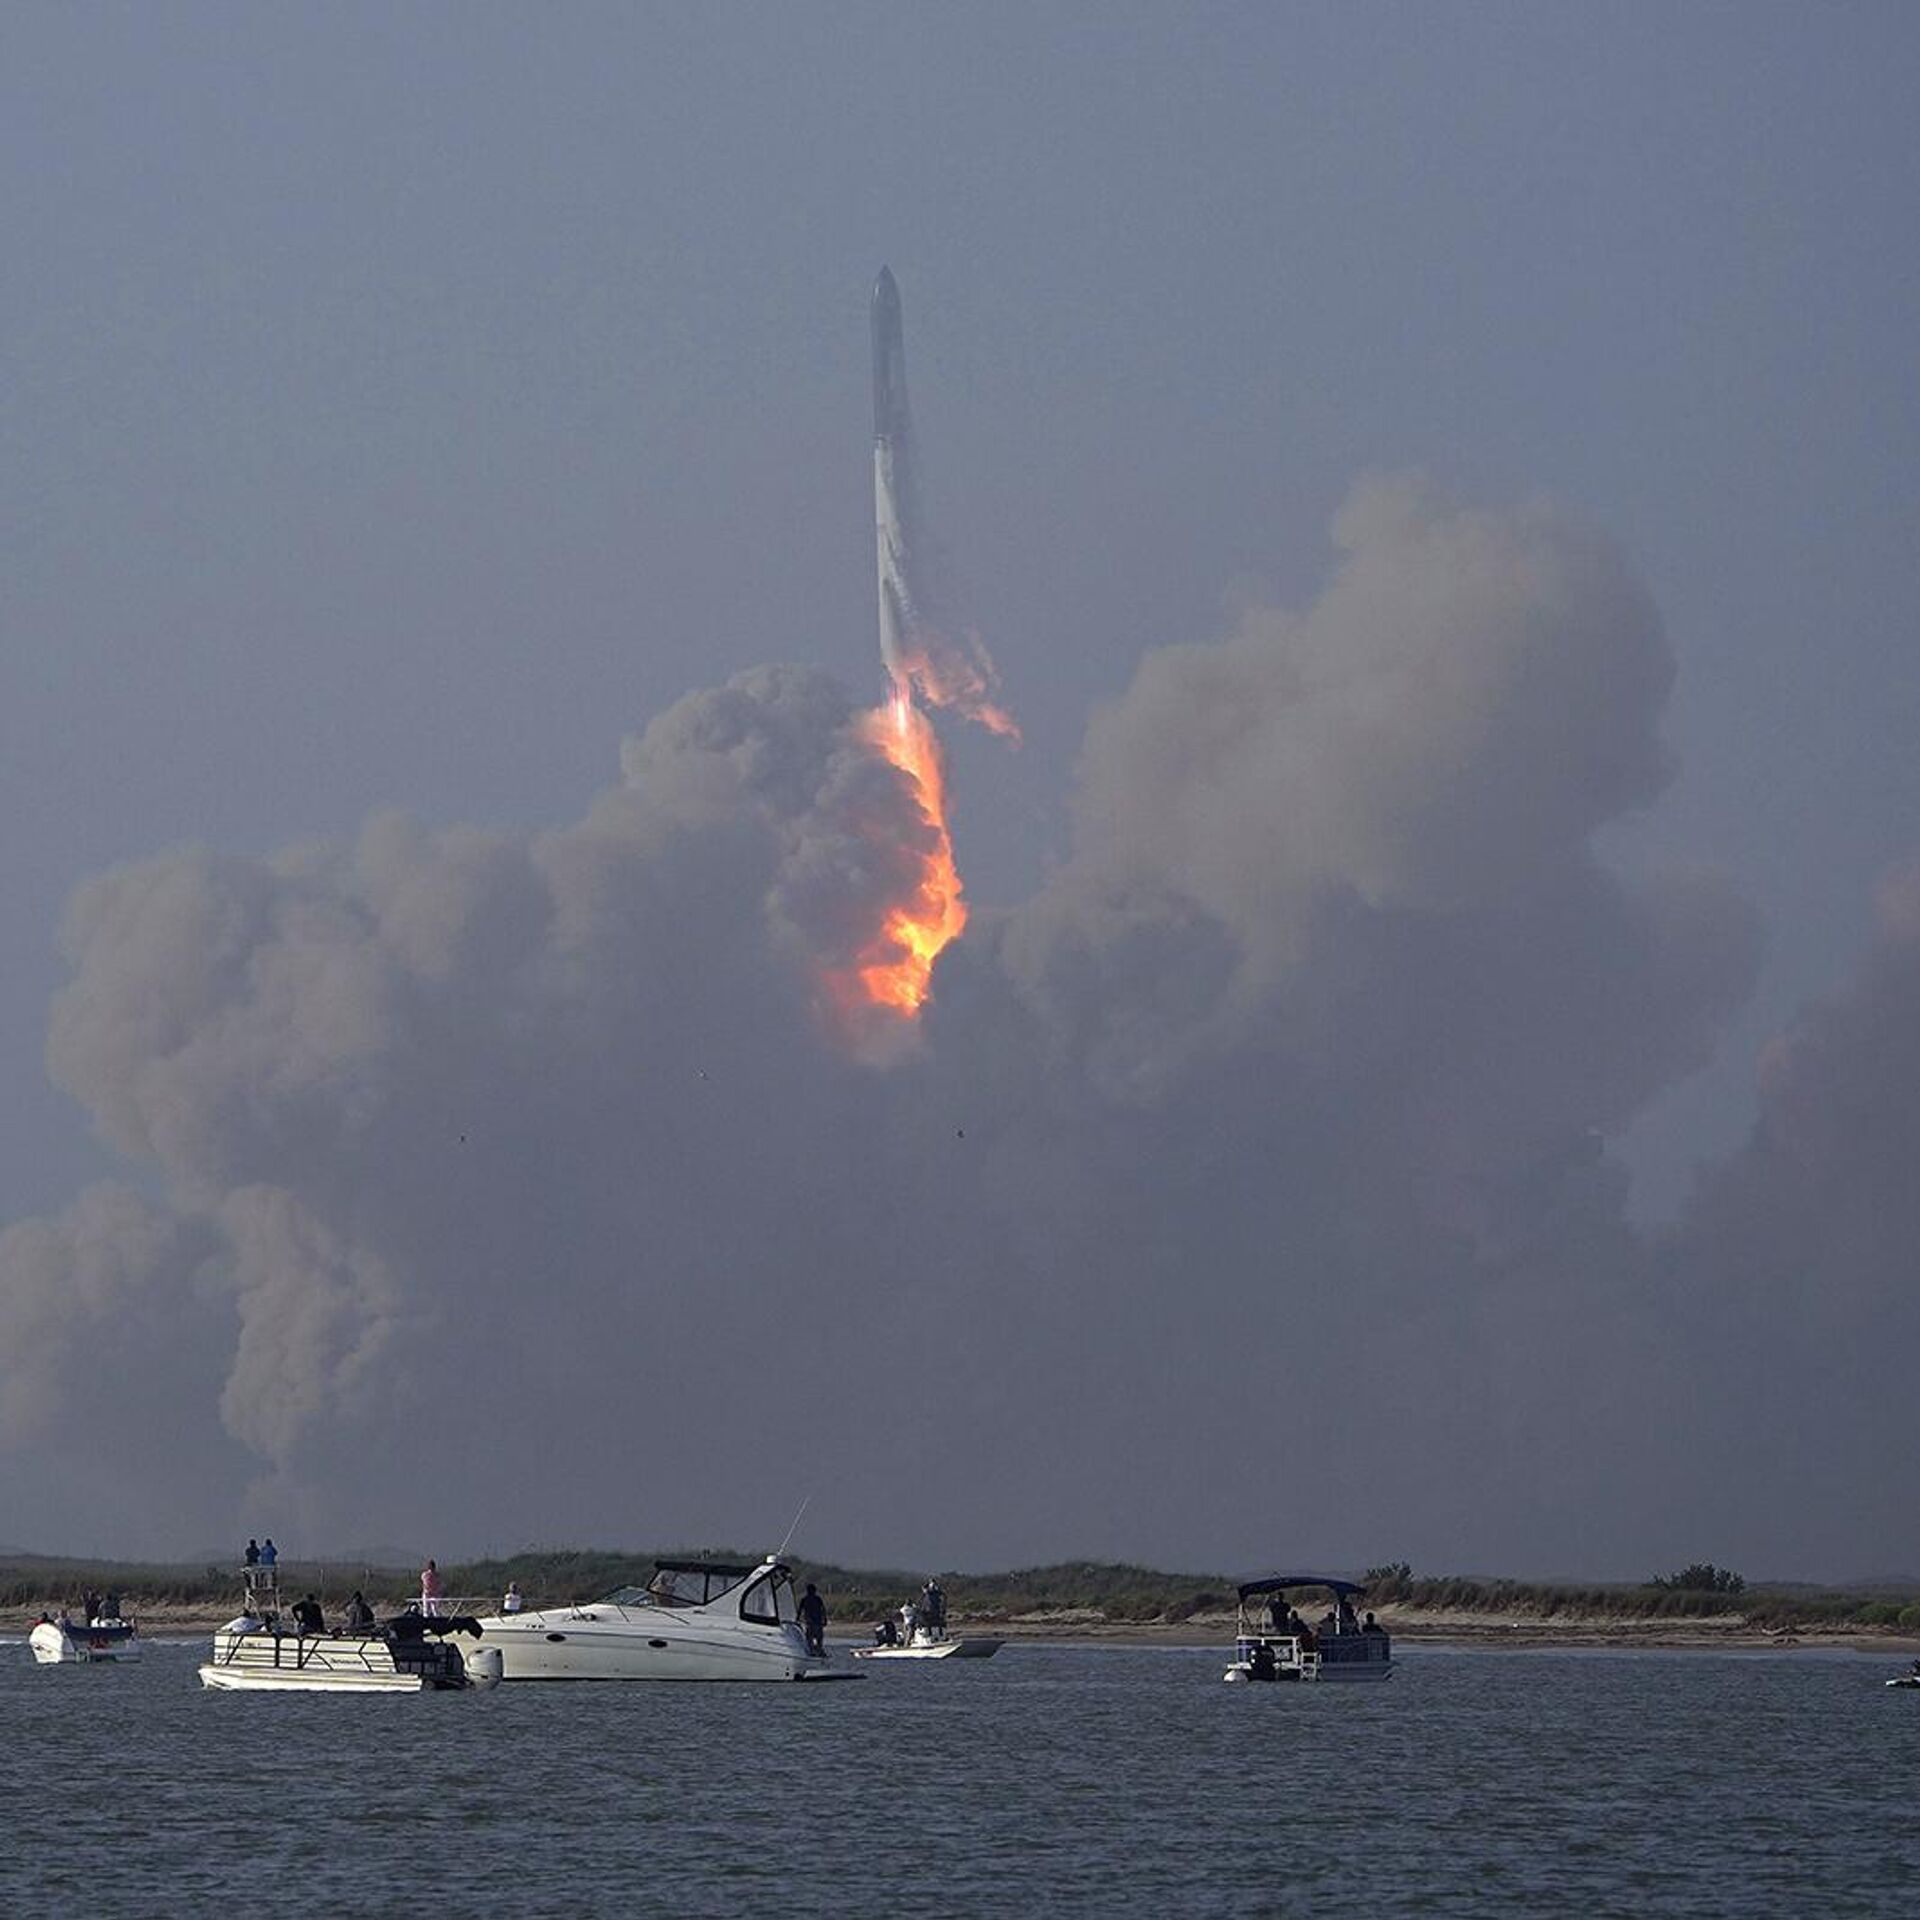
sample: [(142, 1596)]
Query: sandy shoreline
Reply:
[(1729, 1632), (1516, 1636)]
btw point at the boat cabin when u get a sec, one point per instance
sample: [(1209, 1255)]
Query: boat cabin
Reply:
[(766, 1591)]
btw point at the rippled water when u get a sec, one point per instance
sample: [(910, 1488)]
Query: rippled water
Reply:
[(1097, 1780)]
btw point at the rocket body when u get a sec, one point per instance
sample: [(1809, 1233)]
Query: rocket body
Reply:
[(892, 483), (889, 361)]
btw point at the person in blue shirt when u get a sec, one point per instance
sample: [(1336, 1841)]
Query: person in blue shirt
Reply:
[(268, 1556)]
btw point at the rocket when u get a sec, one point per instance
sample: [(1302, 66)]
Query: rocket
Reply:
[(893, 511)]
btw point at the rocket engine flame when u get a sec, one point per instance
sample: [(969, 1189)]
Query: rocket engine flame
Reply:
[(891, 972), (894, 970)]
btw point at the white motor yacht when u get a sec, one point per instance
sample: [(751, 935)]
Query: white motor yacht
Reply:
[(259, 1652), (63, 1641), (694, 1620), (1272, 1642)]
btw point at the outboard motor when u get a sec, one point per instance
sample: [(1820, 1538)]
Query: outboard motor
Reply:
[(485, 1667)]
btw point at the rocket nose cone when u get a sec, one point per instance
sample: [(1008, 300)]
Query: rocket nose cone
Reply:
[(886, 297)]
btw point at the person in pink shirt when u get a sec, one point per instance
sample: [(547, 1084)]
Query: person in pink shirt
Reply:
[(430, 1589)]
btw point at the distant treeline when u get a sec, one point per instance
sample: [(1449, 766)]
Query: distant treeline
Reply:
[(1656, 1599), (1123, 1594)]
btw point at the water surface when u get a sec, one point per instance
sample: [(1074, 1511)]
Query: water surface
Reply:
[(1085, 1780)]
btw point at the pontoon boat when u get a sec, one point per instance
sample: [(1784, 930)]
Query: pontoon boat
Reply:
[(259, 1652), (1273, 1643)]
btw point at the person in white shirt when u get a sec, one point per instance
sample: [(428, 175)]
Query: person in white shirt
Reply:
[(512, 1603)]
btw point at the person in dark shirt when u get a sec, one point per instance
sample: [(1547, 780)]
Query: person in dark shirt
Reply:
[(307, 1615), (813, 1619), (253, 1553)]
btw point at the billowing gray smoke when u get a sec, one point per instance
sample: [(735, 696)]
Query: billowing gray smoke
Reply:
[(1246, 1195)]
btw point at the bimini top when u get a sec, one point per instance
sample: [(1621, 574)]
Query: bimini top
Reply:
[(690, 1583), (1280, 1582)]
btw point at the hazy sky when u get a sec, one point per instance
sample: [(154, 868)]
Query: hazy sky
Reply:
[(1425, 1077)]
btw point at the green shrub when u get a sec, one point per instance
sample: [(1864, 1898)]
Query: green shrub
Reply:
[(1702, 1577)]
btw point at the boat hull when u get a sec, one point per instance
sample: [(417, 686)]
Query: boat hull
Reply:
[(1348, 1658), (293, 1680), (605, 1642), (978, 1646), (1355, 1675), (54, 1645)]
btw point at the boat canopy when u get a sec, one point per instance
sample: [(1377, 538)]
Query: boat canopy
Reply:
[(682, 1583), (1280, 1582)]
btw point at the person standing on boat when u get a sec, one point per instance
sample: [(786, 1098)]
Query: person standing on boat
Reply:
[(430, 1590), (269, 1553), (512, 1603), (813, 1619), (933, 1605), (253, 1553)]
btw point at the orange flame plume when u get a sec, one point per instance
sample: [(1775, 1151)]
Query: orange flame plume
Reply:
[(893, 969)]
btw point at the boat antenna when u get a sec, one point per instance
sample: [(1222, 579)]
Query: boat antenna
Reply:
[(780, 1552)]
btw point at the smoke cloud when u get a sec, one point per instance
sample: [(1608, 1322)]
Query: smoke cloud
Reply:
[(1247, 1192)]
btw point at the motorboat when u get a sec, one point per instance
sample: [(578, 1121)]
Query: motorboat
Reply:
[(1908, 1679), (922, 1634), (1272, 1642), (693, 1620), (105, 1639), (264, 1650), (924, 1643)]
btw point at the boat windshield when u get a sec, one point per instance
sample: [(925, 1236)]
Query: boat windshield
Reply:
[(769, 1600), (680, 1584)]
